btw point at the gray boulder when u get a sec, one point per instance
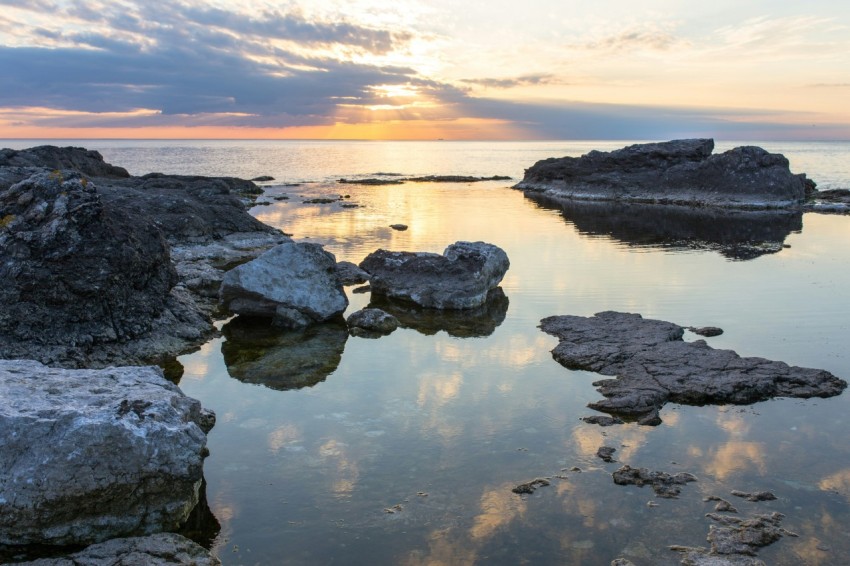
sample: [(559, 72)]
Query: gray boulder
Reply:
[(89, 455), (371, 323), (674, 172), (350, 274), (654, 366), (294, 284), (164, 549), (459, 279)]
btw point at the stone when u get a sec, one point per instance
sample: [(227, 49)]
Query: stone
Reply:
[(673, 172), (256, 352), (294, 284), (707, 331), (350, 274), (663, 484), (371, 323), (399, 227), (602, 420), (756, 496), (163, 549), (459, 279), (606, 453), (735, 541), (89, 455), (87, 162), (531, 486), (655, 366), (263, 179)]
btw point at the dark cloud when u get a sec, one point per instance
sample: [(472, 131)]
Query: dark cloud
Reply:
[(525, 80)]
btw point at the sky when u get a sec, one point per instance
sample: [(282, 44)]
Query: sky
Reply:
[(425, 69)]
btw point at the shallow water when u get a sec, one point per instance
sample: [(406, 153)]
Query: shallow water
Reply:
[(320, 435)]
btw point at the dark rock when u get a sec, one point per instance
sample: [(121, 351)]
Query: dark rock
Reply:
[(654, 366), (455, 179), (530, 487), (371, 182), (90, 455), (733, 233), (87, 162), (736, 540), (399, 227), (458, 279), (606, 453), (350, 274), (722, 506), (707, 331), (622, 562), (663, 484), (602, 420), (829, 201), (674, 172), (256, 352), (371, 323), (263, 179), (294, 284), (755, 497), (320, 200), (469, 323), (164, 549)]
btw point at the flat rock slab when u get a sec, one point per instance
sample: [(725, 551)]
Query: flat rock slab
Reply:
[(735, 541), (655, 366), (155, 550), (89, 455), (663, 484)]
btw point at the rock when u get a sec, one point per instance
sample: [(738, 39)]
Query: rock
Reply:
[(663, 484), (757, 496), (294, 284), (622, 562), (162, 549), (654, 366), (263, 179), (371, 323), (606, 453), (736, 541), (90, 455), (602, 420), (733, 233), (459, 279), (530, 487), (469, 323), (350, 274), (829, 201), (255, 352), (399, 227), (707, 331), (371, 181), (455, 179), (87, 162), (674, 172)]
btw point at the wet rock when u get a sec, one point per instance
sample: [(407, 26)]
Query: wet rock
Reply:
[(829, 201), (654, 366), (663, 484), (606, 453), (399, 227), (350, 274), (263, 179), (756, 496), (294, 284), (455, 179), (722, 506), (371, 323), (459, 279), (674, 172), (87, 162), (90, 455), (469, 323), (735, 234), (164, 549), (736, 540), (371, 182), (256, 352), (707, 331), (530, 487), (602, 420)]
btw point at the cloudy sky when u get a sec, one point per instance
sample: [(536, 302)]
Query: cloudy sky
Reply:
[(425, 69)]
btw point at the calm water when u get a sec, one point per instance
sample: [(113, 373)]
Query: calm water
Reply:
[(438, 421)]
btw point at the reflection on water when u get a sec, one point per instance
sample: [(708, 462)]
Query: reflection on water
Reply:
[(735, 234), (257, 352), (467, 323)]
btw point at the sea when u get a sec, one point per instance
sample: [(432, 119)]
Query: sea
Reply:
[(404, 450)]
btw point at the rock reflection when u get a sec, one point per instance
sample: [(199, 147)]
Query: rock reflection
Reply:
[(735, 234), (468, 323), (256, 352), (202, 525)]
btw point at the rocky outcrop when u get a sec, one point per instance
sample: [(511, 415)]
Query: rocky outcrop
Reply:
[(665, 485), (350, 274), (89, 455), (459, 279), (256, 352), (86, 162), (164, 549), (674, 172), (293, 284), (654, 366), (371, 323)]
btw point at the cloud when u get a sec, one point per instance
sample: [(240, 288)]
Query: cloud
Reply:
[(630, 40), (524, 80)]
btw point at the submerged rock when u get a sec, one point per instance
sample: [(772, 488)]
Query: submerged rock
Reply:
[(350, 274), (674, 172), (531, 486), (294, 284), (606, 453), (89, 455), (756, 496), (654, 366), (256, 352), (371, 323), (735, 541), (164, 549), (663, 484), (459, 279)]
